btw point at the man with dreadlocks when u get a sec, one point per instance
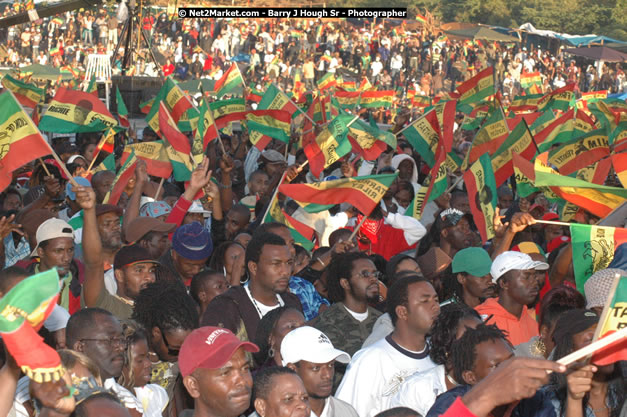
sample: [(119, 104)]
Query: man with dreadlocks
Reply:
[(168, 314)]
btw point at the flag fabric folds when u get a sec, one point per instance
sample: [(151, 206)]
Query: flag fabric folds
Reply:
[(72, 111), (27, 94), (229, 80), (176, 144), (121, 180), (122, 110), (154, 154), (481, 184)]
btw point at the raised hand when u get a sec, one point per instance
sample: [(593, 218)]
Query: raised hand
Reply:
[(497, 222), (520, 221), (7, 226), (200, 176), (141, 172), (226, 164), (85, 197)]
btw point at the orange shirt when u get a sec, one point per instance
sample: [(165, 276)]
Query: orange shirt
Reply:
[(518, 330)]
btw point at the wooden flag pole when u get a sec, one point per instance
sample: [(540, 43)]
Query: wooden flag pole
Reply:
[(43, 165), (64, 168), (593, 347), (352, 236), (457, 181), (91, 164), (159, 188), (565, 224), (295, 105)]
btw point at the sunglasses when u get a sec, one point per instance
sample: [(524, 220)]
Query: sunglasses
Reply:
[(171, 351)]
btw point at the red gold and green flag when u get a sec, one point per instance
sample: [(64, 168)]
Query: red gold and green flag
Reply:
[(489, 138), (302, 234), (580, 152), (614, 320), (107, 142), (229, 80), (72, 111), (21, 141), (619, 161), (175, 101), (347, 99), (525, 103), (364, 193), (583, 123), (478, 87), (593, 249), (560, 130), (433, 187), (480, 181), (176, 144), (560, 99), (421, 101), (519, 141), (145, 106), (206, 132), (530, 78), (121, 180), (27, 94), (107, 164), (327, 81), (23, 311), (271, 123), (368, 140), (330, 145), (424, 136), (154, 154), (122, 110), (227, 111), (421, 19), (371, 99), (92, 87)]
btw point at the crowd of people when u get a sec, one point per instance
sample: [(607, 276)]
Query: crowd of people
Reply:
[(172, 304)]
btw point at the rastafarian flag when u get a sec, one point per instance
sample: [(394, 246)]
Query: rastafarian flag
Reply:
[(479, 180)]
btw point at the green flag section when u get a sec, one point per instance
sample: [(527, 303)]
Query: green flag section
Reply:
[(519, 141), (368, 140), (599, 200), (424, 135), (72, 111), (542, 122), (229, 80), (92, 87), (560, 99), (593, 249), (273, 99), (347, 99), (227, 111), (176, 103), (614, 320), (330, 145), (490, 137), (271, 123), (558, 131), (27, 94), (477, 88), (364, 193), (580, 152), (177, 146), (604, 115), (482, 196), (301, 233), (121, 180), (122, 110), (107, 164), (154, 154), (21, 141), (530, 78), (525, 103), (326, 82), (23, 311), (374, 99), (583, 123)]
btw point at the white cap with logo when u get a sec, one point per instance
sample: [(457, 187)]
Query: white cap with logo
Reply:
[(50, 229), (309, 344), (511, 260)]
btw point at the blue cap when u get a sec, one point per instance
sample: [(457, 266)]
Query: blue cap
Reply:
[(192, 241), (80, 181)]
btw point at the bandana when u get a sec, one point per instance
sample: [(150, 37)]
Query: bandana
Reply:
[(370, 228), (23, 311)]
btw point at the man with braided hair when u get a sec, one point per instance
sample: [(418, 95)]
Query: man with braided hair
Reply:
[(168, 314)]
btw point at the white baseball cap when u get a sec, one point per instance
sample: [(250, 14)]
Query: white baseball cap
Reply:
[(510, 260), (50, 229), (197, 207), (309, 344)]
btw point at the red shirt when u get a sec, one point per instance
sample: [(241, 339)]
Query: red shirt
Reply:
[(168, 69)]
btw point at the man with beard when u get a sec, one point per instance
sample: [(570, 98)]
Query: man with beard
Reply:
[(132, 265), (471, 274), (216, 372), (517, 281), (269, 263), (376, 373), (110, 231), (310, 353), (352, 282)]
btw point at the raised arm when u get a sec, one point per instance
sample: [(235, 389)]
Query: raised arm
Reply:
[(92, 247)]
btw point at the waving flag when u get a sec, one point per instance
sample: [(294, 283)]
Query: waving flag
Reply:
[(479, 180), (424, 136), (122, 111), (530, 78), (27, 94), (271, 123), (206, 132), (154, 154), (330, 145), (301, 233), (580, 152), (560, 130), (107, 143), (364, 193), (20, 140), (433, 187), (373, 99), (177, 146), (176, 103), (230, 79), (72, 111), (519, 141), (490, 137), (92, 87), (121, 180), (227, 111), (327, 81), (478, 87), (614, 321)]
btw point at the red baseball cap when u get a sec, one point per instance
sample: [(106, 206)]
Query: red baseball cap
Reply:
[(210, 348), (550, 216)]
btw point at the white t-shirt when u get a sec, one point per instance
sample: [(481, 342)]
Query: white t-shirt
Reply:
[(357, 316), (420, 390), (376, 373)]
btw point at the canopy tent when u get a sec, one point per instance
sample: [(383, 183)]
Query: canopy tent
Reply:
[(44, 72), (602, 53), (621, 47), (481, 33), (574, 40)]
